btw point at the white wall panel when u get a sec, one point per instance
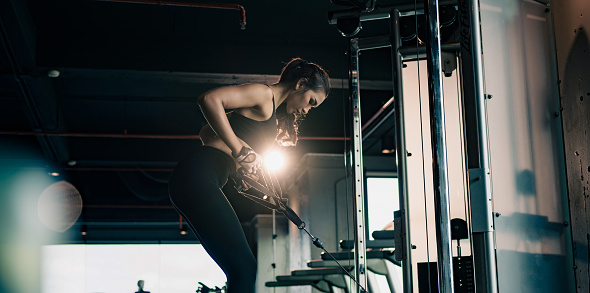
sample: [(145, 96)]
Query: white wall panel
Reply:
[(526, 147)]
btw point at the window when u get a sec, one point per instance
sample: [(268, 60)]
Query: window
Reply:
[(382, 201), (117, 268)]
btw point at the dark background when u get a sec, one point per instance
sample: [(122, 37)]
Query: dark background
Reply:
[(123, 109)]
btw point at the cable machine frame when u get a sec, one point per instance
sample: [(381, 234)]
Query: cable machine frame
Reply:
[(471, 85)]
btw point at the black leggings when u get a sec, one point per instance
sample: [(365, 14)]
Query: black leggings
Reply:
[(195, 192)]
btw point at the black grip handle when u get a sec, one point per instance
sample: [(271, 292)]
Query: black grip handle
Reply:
[(239, 184), (292, 216)]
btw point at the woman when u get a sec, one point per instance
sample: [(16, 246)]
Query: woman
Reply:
[(261, 114)]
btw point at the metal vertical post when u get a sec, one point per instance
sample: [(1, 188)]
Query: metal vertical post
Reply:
[(483, 225), (402, 253), (274, 247), (357, 139), (439, 150)]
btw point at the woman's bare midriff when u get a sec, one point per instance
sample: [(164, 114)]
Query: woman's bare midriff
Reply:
[(210, 139)]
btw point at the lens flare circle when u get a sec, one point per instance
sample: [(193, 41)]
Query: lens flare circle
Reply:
[(59, 206)]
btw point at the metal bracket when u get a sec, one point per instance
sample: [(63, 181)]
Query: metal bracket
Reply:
[(481, 203)]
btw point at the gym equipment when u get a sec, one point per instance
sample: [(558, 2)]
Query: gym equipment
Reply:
[(268, 196)]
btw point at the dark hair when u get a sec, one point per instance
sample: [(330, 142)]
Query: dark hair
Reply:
[(313, 77)]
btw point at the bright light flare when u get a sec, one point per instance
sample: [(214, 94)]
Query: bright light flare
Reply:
[(275, 160)]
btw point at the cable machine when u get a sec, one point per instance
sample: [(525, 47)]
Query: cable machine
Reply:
[(475, 141), (349, 24)]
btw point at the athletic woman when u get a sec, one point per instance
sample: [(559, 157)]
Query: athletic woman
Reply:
[(262, 114)]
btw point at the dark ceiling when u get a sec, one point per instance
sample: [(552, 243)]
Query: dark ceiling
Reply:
[(122, 110)]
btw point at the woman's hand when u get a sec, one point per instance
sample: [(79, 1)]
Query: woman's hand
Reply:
[(249, 160)]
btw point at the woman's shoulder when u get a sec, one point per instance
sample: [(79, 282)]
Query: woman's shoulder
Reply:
[(258, 90), (263, 95)]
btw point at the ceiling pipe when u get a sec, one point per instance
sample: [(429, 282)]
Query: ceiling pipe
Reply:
[(100, 135), (118, 169), (106, 206), (190, 4), (337, 138), (130, 224), (148, 136), (144, 187)]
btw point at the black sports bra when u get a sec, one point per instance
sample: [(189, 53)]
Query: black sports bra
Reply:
[(259, 135)]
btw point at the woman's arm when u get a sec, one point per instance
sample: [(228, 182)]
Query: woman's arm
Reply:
[(207, 134), (214, 103)]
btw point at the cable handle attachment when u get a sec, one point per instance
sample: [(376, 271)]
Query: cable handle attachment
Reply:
[(238, 177)]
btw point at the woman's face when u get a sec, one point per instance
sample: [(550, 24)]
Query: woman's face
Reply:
[(301, 102)]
